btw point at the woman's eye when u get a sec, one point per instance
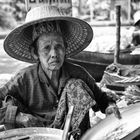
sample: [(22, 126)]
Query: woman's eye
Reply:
[(47, 47), (59, 46)]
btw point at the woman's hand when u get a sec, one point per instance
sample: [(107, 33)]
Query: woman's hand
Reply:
[(27, 120), (112, 108)]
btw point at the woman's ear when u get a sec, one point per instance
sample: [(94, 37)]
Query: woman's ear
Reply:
[(34, 53)]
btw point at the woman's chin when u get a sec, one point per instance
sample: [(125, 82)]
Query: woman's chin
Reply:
[(53, 68)]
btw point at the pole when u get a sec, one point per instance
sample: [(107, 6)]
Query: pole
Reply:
[(79, 8), (129, 11), (118, 24), (67, 123)]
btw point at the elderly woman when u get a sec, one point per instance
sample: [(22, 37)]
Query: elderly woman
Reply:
[(41, 94)]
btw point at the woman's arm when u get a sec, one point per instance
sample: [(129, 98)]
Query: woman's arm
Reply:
[(12, 95)]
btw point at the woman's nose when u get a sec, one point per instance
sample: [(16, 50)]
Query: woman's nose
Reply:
[(53, 52)]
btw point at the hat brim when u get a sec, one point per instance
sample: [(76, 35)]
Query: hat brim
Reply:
[(77, 35), (137, 23)]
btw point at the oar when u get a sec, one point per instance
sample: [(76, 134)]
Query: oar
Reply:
[(67, 123)]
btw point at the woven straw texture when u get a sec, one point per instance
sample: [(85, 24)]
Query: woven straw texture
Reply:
[(76, 33)]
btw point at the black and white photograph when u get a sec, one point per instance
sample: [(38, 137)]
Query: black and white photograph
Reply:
[(69, 69)]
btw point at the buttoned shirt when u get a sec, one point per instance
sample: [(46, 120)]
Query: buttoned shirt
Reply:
[(32, 88)]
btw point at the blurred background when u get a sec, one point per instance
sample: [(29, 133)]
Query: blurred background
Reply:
[(13, 11), (96, 12)]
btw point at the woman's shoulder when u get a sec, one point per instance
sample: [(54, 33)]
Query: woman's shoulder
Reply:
[(73, 66), (29, 68), (79, 71), (27, 71), (75, 69)]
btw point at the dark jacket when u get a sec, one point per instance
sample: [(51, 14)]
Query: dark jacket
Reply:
[(35, 95)]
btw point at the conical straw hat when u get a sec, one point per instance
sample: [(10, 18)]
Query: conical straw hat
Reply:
[(77, 33)]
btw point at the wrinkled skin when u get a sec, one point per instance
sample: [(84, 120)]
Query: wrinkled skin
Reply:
[(51, 54), (27, 120), (113, 109), (51, 51)]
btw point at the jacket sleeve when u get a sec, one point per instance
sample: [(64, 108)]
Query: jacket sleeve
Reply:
[(15, 87), (100, 97), (11, 97), (9, 109)]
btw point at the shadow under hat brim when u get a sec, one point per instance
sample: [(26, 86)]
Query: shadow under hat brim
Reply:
[(76, 33)]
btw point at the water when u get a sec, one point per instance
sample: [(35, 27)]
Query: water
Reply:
[(8, 65)]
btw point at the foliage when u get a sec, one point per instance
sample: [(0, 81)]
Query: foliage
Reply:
[(20, 11), (6, 20), (11, 13)]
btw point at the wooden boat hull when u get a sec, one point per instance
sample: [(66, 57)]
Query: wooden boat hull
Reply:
[(95, 69), (95, 62), (125, 57)]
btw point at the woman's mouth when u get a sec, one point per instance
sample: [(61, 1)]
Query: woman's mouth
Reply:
[(54, 62)]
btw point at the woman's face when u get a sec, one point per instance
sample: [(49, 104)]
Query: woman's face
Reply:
[(51, 51)]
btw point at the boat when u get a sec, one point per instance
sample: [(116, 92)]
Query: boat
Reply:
[(96, 62)]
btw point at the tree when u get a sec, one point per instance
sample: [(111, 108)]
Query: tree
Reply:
[(11, 12), (7, 21)]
